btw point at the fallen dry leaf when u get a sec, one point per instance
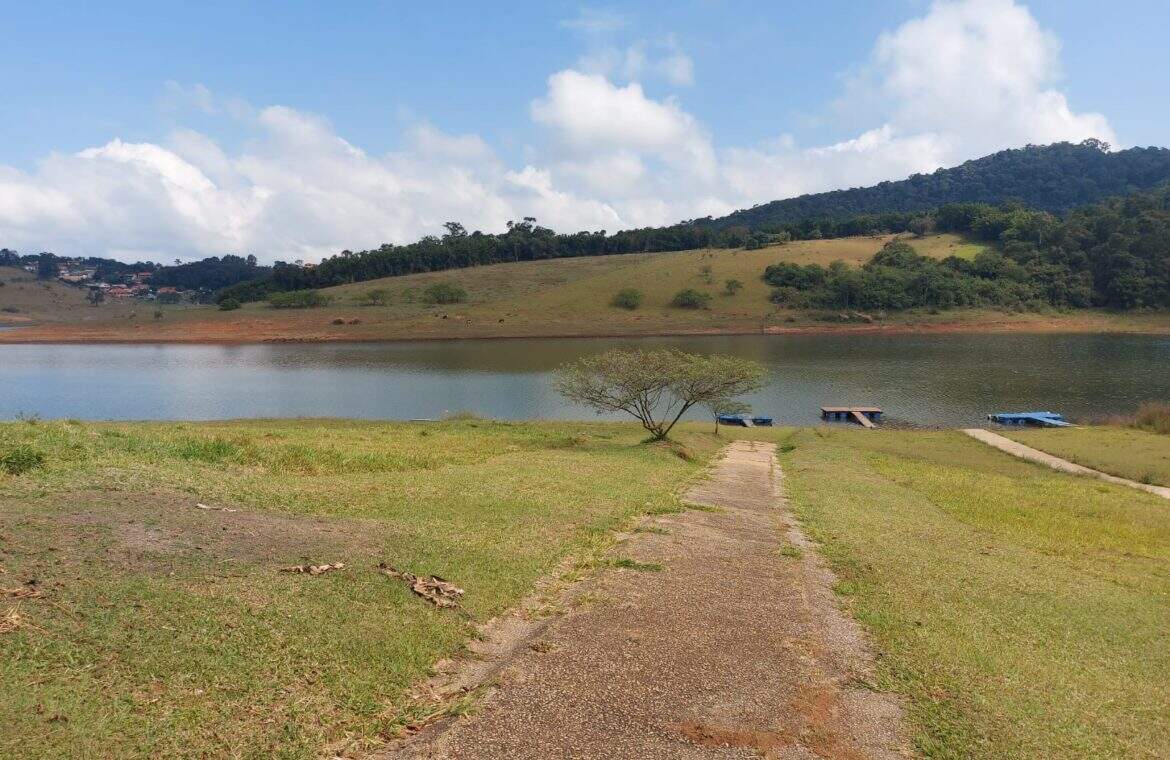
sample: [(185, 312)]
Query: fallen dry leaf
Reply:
[(20, 592), (313, 569), (215, 509), (434, 589), (11, 620)]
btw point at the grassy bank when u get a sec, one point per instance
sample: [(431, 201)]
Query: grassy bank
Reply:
[(1024, 612), (162, 629), (560, 297), (1123, 451)]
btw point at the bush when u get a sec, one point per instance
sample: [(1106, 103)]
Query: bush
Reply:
[(731, 287), (229, 304), (690, 299), (298, 299), (20, 459), (444, 292), (1154, 418), (374, 297), (627, 298)]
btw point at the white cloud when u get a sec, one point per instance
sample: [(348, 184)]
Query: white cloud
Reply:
[(662, 59), (967, 78), (596, 21)]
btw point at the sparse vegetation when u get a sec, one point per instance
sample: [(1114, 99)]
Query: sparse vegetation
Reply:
[(299, 299), (1154, 418)]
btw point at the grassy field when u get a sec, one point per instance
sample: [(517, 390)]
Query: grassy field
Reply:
[(1021, 611), (163, 629), (1024, 612), (1122, 451), (561, 297)]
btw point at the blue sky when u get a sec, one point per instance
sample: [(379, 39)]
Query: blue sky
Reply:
[(138, 129)]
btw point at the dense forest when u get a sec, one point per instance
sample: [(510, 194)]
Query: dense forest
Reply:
[(1114, 254), (213, 273), (1055, 178)]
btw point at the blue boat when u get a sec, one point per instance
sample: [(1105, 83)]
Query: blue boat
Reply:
[(1039, 419), (742, 420)]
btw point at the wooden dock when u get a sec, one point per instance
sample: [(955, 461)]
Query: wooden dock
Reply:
[(865, 416)]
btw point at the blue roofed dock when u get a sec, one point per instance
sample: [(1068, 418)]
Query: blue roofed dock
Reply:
[(1038, 419)]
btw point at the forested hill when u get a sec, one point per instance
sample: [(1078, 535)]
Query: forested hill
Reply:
[(1054, 178)]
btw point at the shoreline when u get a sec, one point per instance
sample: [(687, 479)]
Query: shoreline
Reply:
[(49, 334)]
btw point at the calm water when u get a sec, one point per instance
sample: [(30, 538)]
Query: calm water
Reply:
[(935, 380)]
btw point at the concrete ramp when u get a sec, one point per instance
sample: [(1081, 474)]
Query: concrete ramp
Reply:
[(1017, 449)]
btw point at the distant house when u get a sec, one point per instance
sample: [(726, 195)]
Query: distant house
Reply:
[(119, 291)]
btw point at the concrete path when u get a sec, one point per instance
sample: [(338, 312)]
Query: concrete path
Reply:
[(731, 650), (1015, 448)]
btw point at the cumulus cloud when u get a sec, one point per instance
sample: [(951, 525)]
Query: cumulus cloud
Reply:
[(967, 78), (663, 59)]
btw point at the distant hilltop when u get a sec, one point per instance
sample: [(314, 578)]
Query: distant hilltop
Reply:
[(1055, 178)]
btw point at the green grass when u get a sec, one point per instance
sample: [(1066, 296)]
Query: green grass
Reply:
[(1022, 611), (168, 630), (1123, 451)]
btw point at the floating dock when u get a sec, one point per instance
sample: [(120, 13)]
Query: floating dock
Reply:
[(1039, 419), (865, 416), (742, 420)]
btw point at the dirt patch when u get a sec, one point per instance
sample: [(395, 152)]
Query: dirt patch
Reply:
[(730, 651), (151, 531)]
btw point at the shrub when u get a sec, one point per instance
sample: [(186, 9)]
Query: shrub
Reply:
[(444, 292), (375, 297), (158, 314), (229, 304), (731, 287), (1154, 417), (298, 299), (627, 298), (20, 459), (690, 299)]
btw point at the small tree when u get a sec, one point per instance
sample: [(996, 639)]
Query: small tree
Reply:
[(444, 292), (690, 298), (921, 226), (656, 387), (627, 298), (229, 304), (731, 287), (722, 407)]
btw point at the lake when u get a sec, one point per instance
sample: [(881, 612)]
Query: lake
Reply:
[(946, 380)]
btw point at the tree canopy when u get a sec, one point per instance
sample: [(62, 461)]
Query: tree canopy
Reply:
[(658, 386)]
